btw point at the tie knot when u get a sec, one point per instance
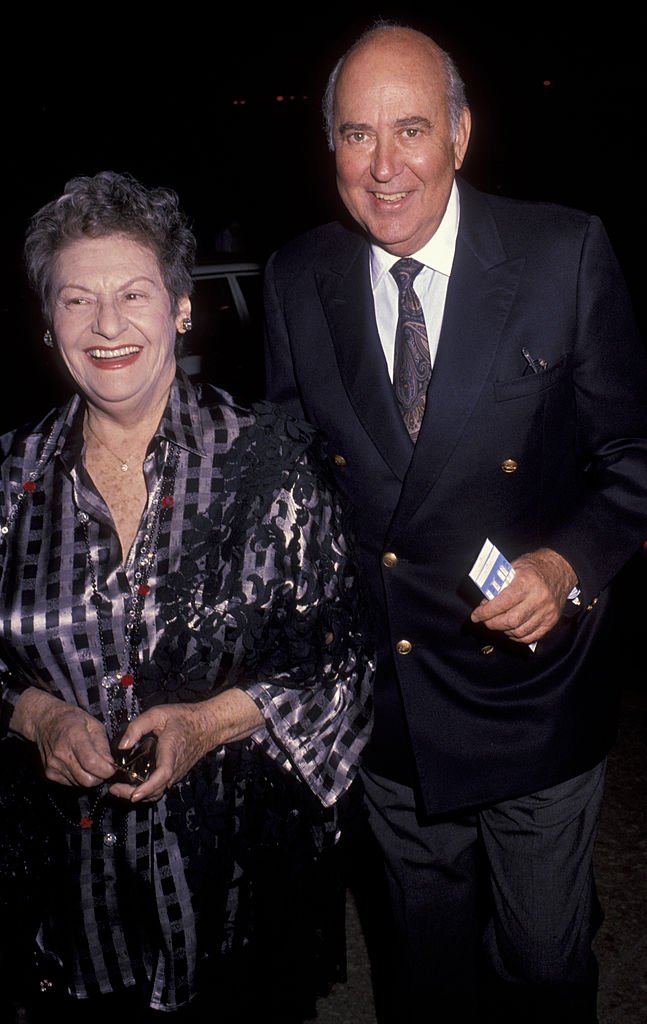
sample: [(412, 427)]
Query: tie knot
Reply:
[(404, 271)]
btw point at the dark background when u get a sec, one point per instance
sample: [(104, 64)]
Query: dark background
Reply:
[(135, 89), (189, 100)]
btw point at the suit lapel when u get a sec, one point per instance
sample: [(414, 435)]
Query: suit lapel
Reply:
[(347, 299), (481, 290)]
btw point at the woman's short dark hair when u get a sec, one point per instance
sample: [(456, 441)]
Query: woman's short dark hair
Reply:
[(111, 204)]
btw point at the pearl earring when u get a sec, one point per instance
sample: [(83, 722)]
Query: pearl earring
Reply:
[(48, 339), (187, 323)]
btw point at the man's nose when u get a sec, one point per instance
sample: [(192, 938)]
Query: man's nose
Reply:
[(386, 162)]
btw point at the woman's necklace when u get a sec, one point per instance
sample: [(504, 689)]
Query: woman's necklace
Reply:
[(90, 820), (29, 486), (122, 462), (120, 685)]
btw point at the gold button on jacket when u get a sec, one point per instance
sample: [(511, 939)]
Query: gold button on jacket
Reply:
[(404, 647), (509, 465), (389, 559)]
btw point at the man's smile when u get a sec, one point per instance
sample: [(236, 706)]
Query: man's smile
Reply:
[(391, 197)]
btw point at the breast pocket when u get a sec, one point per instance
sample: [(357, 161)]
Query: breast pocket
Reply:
[(532, 383)]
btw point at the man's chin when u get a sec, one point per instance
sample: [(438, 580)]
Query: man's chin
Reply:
[(395, 246), (394, 238)]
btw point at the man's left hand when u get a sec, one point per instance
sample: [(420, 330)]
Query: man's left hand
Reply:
[(532, 603)]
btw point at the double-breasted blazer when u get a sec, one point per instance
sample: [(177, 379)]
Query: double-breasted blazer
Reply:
[(555, 458)]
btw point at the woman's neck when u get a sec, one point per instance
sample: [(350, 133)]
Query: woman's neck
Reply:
[(115, 449), (127, 431)]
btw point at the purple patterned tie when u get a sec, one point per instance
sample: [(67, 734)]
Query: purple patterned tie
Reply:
[(412, 364)]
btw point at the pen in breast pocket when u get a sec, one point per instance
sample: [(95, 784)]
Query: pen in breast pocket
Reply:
[(536, 365)]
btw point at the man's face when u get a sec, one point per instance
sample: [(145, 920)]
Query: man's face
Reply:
[(394, 151)]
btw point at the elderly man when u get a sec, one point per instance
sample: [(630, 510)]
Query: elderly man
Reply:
[(475, 366)]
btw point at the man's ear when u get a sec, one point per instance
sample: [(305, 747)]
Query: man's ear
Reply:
[(462, 137)]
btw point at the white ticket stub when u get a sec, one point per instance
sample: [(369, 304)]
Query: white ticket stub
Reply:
[(492, 572)]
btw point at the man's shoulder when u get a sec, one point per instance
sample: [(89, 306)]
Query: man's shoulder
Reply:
[(329, 245), (521, 218)]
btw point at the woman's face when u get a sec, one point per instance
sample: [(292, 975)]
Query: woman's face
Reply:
[(114, 323)]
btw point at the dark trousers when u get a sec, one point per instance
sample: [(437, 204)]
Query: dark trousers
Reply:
[(488, 916)]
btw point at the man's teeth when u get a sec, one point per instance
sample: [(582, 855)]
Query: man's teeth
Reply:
[(390, 197), (114, 353)]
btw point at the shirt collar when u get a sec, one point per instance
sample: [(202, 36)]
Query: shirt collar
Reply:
[(181, 422), (437, 253)]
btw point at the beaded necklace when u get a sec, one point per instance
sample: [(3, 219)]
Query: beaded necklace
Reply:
[(28, 486), (120, 685), (87, 821)]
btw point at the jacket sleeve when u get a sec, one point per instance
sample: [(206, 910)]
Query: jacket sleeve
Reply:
[(610, 395)]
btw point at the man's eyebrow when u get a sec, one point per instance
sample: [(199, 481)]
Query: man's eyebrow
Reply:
[(353, 126), (415, 121)]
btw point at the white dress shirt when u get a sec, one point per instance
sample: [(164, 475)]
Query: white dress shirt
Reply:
[(430, 284)]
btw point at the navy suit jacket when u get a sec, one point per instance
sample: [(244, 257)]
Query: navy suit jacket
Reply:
[(551, 459)]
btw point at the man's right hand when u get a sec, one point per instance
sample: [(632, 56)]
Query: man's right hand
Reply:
[(533, 602)]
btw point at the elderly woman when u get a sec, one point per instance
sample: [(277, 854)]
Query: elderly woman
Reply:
[(174, 570)]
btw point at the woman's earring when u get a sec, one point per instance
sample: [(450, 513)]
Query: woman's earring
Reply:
[(187, 323), (48, 339)]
